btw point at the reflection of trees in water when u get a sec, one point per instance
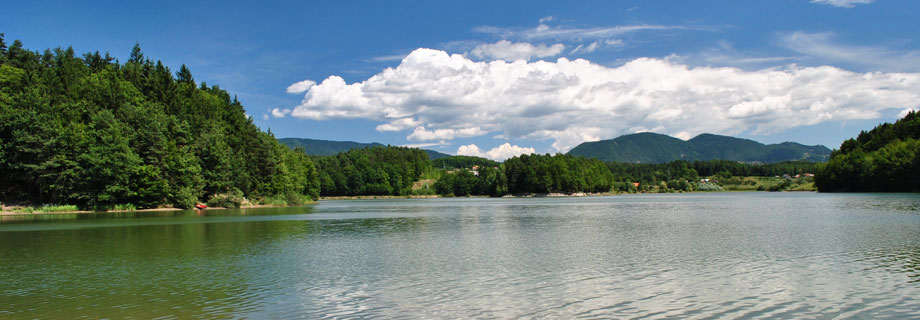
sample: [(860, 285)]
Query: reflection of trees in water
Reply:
[(205, 267), (26, 218), (370, 226), (881, 203)]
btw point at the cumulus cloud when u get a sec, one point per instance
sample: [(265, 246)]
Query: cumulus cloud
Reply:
[(442, 97), (300, 87), (842, 3), (280, 113), (498, 153), (398, 125), (509, 51), (422, 134)]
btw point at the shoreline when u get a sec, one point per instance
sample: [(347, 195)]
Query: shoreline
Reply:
[(15, 210), (421, 196)]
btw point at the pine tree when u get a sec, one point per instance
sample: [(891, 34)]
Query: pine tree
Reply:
[(2, 49), (184, 75)]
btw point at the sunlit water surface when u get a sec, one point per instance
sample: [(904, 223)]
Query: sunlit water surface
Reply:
[(717, 255)]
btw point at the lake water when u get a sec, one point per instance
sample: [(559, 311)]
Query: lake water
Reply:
[(702, 255)]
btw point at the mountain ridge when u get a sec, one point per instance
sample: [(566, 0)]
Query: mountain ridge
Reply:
[(318, 147), (649, 147)]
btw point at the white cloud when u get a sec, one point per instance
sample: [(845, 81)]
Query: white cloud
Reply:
[(823, 47), (842, 3), (264, 116), (422, 134), (301, 87), (280, 113), (614, 42), (906, 111), (586, 49), (398, 125), (395, 57), (498, 153), (428, 144), (543, 31), (443, 97), (509, 51), (726, 55)]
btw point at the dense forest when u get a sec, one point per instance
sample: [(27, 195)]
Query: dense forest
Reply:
[(884, 159), (91, 131), (372, 171), (526, 174), (557, 173), (457, 162), (542, 174), (653, 173)]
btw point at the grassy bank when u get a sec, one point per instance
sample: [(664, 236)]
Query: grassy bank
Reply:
[(769, 184), (71, 209)]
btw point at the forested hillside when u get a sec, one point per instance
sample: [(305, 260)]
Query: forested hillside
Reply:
[(886, 158), (648, 147), (91, 131), (315, 147)]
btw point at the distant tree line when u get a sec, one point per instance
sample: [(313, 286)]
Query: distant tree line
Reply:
[(91, 131), (539, 174), (542, 174), (372, 171), (456, 162), (884, 159)]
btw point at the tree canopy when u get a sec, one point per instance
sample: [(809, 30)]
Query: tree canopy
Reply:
[(379, 170), (886, 158), (91, 131)]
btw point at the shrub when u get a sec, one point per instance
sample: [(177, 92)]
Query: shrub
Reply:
[(124, 207), (231, 199)]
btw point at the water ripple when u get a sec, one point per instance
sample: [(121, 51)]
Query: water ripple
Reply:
[(648, 256)]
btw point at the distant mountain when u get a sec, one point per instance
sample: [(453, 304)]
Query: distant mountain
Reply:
[(434, 155), (650, 147), (317, 147)]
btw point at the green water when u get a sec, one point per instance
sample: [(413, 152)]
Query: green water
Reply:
[(779, 255)]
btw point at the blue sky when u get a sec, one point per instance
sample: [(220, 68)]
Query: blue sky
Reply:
[(498, 79)]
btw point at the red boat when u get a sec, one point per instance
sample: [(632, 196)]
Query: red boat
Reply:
[(200, 206)]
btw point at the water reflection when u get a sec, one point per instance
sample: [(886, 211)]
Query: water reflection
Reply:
[(57, 217), (701, 255)]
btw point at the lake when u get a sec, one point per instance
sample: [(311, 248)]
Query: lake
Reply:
[(701, 255)]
